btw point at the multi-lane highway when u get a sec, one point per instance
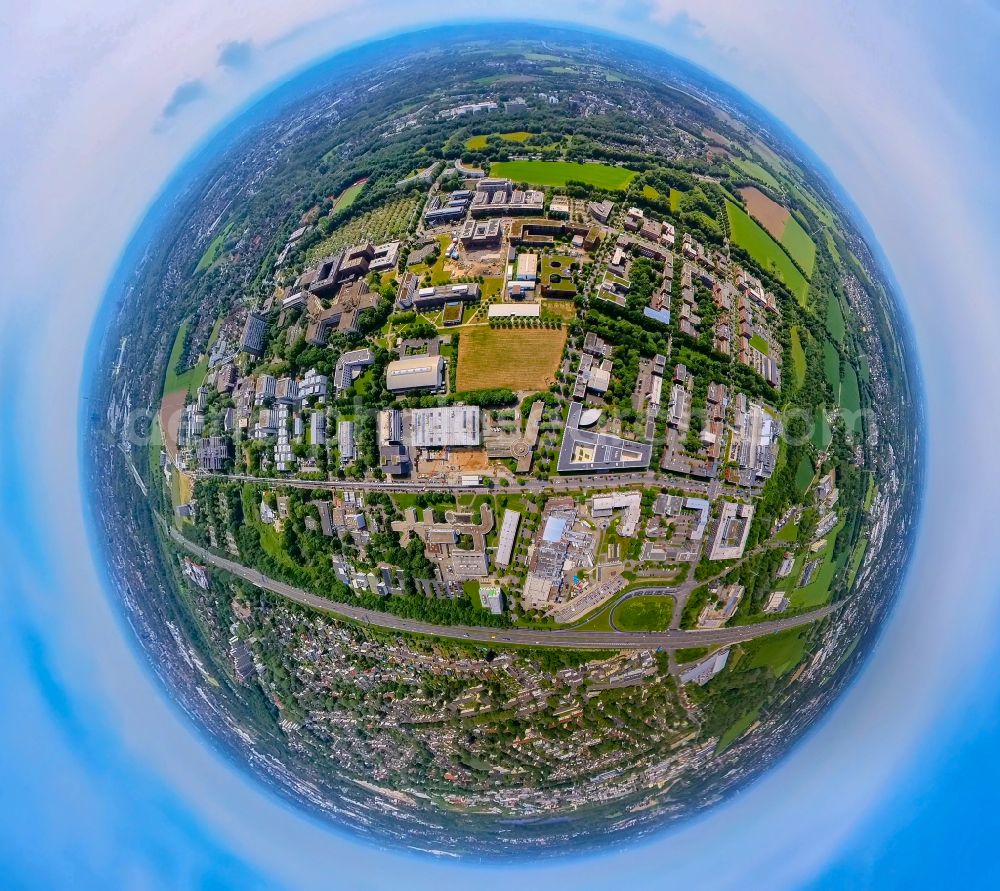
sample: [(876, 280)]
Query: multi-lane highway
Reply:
[(590, 640), (573, 483)]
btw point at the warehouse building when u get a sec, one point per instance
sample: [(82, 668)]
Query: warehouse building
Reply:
[(415, 373), (447, 426)]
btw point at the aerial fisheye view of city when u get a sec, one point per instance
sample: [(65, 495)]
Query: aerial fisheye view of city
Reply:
[(504, 443)]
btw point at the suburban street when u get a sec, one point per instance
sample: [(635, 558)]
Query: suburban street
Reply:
[(590, 640)]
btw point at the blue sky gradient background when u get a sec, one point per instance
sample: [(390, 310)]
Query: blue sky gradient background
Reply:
[(103, 783)]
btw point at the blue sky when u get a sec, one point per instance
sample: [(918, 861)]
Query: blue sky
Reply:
[(103, 783)]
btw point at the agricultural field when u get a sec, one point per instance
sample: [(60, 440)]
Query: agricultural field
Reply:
[(214, 250), (757, 171), (565, 309), (643, 614), (754, 239), (531, 357), (771, 215), (782, 226), (798, 243), (558, 173), (382, 224)]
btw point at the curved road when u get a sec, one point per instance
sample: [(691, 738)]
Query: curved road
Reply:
[(582, 640)]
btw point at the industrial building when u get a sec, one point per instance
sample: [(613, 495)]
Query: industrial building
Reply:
[(445, 427)]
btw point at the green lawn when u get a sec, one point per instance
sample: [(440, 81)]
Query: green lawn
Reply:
[(650, 192), (798, 358), (558, 173), (736, 731), (691, 654), (759, 344), (797, 242), (189, 380), (817, 592), (822, 434), (754, 239), (831, 366), (870, 493), (648, 613), (437, 270), (856, 558), (675, 199), (598, 621), (850, 399), (471, 589), (835, 323), (214, 250), (789, 532), (803, 474), (778, 653)]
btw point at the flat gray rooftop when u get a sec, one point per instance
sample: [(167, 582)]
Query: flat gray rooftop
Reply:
[(586, 450)]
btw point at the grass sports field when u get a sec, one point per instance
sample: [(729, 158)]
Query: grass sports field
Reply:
[(189, 380), (558, 173), (798, 358), (753, 238), (349, 195), (530, 357), (643, 614)]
